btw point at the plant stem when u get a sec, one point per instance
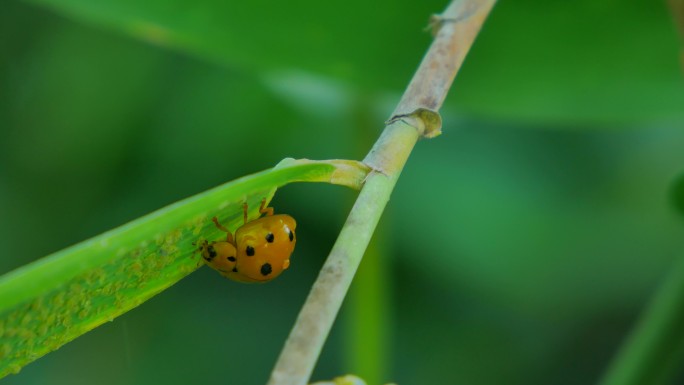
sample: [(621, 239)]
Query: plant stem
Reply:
[(306, 340), (415, 115), (368, 321)]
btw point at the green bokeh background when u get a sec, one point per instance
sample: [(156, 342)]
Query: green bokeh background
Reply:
[(518, 247)]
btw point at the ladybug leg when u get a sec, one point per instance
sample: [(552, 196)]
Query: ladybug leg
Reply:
[(244, 212), (219, 226), (229, 236), (265, 210), (262, 209)]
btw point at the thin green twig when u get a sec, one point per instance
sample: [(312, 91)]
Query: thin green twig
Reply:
[(416, 116)]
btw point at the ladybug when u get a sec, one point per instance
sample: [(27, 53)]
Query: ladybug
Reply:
[(260, 250)]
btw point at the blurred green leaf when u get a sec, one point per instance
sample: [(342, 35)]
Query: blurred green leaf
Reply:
[(563, 62), (277, 35), (534, 219), (653, 352), (579, 64), (534, 246)]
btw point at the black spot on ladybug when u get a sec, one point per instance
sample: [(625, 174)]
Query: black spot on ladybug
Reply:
[(290, 234), (232, 259), (212, 252), (250, 251), (266, 269), (235, 270), (270, 237)]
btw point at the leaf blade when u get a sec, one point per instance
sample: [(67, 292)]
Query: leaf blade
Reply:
[(51, 301)]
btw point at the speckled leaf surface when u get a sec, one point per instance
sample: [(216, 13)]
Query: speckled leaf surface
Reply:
[(50, 302)]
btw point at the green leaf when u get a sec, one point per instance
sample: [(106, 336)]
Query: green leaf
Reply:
[(573, 63), (51, 301), (274, 36), (576, 63)]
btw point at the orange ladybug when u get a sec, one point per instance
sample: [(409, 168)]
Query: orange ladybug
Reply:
[(260, 250)]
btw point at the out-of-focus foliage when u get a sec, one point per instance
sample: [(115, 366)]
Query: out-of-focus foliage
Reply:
[(523, 242), (564, 62)]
